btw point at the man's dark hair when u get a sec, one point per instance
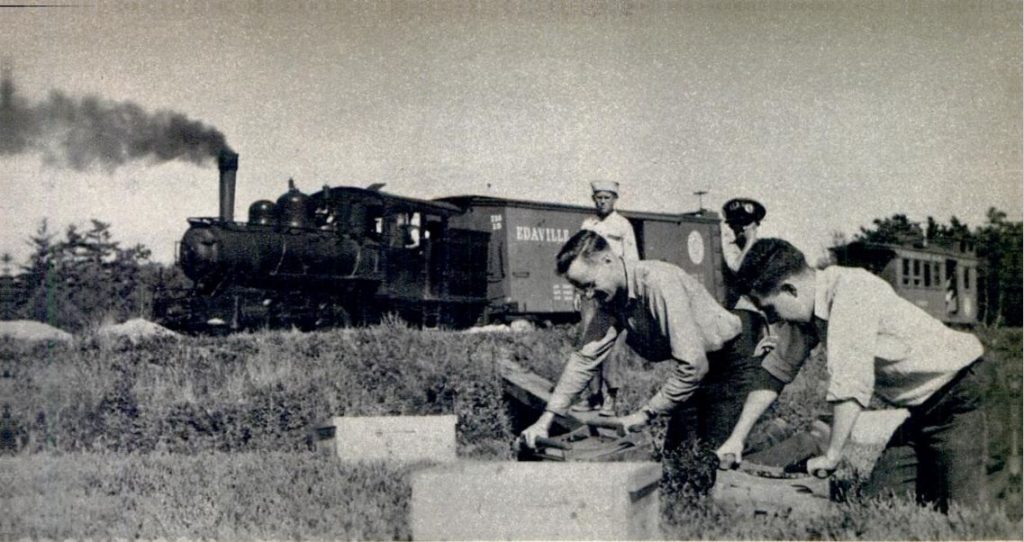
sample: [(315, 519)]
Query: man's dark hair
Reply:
[(767, 264), (584, 243)]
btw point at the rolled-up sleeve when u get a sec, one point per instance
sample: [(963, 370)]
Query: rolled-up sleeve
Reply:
[(682, 381), (793, 344), (853, 324), (583, 364), (673, 313)]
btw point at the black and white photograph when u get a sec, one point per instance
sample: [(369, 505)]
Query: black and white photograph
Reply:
[(511, 270)]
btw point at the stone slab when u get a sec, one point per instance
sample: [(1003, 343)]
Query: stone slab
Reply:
[(389, 438), (536, 501), (755, 495)]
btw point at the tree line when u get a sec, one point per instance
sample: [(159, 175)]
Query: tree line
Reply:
[(83, 278)]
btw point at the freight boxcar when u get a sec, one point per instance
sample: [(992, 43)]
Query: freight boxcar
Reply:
[(526, 236), (942, 278)]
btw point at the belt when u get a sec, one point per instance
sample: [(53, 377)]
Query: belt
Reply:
[(936, 397)]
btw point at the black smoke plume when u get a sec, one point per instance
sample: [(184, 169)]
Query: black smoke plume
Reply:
[(90, 132)]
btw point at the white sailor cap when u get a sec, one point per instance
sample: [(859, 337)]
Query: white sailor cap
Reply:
[(605, 186)]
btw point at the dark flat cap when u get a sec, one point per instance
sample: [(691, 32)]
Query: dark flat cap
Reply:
[(743, 211)]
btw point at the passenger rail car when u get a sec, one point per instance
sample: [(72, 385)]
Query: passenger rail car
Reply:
[(942, 279)]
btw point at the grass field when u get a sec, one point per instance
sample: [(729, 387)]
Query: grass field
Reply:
[(207, 438)]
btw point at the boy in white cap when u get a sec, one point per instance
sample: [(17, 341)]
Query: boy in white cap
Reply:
[(607, 222), (617, 230)]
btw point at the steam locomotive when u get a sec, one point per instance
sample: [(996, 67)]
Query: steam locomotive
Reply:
[(349, 256)]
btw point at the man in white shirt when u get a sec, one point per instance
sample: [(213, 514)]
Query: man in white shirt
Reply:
[(618, 232), (877, 344)]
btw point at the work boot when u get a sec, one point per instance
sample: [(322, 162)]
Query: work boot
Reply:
[(585, 404), (607, 406)]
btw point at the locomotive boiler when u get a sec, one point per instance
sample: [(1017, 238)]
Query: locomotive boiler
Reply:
[(340, 256)]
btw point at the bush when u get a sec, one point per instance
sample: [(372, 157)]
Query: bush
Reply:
[(260, 392), (888, 519)]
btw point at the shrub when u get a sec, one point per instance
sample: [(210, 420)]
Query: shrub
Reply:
[(249, 392)]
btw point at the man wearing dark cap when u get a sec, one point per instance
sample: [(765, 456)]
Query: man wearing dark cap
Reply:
[(743, 216)]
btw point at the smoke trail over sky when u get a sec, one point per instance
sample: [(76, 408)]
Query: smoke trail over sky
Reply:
[(92, 132)]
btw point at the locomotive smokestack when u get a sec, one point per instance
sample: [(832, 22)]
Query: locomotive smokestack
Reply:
[(227, 162)]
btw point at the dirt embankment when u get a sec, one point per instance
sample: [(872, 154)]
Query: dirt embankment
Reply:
[(29, 330), (135, 329)]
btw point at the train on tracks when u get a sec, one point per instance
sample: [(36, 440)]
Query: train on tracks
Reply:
[(940, 277), (347, 256)]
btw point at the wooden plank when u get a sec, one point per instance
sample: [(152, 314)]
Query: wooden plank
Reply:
[(533, 391)]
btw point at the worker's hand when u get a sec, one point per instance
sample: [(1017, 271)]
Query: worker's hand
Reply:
[(538, 429), (730, 454), (634, 422), (766, 345), (577, 300), (823, 465)]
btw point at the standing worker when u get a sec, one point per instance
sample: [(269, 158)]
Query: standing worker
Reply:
[(743, 216), (618, 232), (608, 223)]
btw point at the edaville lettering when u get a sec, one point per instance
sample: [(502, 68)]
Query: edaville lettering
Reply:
[(544, 235)]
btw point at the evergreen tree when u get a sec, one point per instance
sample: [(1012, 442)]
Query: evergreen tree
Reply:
[(895, 229), (998, 245), (86, 278), (40, 277)]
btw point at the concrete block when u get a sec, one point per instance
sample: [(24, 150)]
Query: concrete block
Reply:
[(393, 438), (536, 501), (876, 426)]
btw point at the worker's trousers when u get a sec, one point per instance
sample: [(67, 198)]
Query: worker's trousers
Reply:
[(939, 452), (711, 413)]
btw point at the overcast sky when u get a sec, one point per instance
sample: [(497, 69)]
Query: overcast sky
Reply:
[(830, 113)]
